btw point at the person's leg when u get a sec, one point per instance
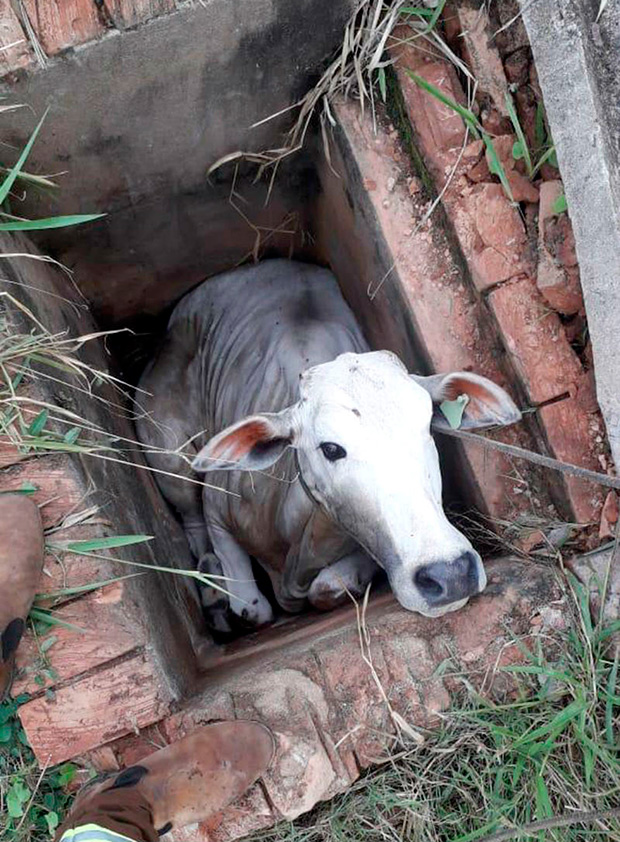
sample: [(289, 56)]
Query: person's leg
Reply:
[(183, 783), (112, 814), (21, 562)]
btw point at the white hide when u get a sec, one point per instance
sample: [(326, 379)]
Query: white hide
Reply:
[(269, 361)]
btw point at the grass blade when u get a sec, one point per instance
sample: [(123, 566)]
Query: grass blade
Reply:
[(609, 705), (49, 222), (435, 16), (468, 117), (543, 803), (543, 159), (417, 10), (495, 165), (38, 425), (514, 119), (96, 544), (9, 180), (92, 586), (556, 724), (47, 617)]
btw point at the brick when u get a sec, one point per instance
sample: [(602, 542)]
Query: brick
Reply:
[(439, 130), (128, 13), (572, 438), (15, 49), (133, 748), (102, 759), (489, 229), (59, 487), (521, 187), (482, 55), (492, 235), (533, 334), (95, 710), (294, 707), (558, 273), (609, 517), (60, 24), (249, 814), (107, 632), (69, 570)]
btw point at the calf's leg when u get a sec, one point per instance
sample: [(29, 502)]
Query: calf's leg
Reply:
[(245, 599), (349, 576)]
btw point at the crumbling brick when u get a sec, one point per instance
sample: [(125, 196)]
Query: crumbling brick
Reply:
[(15, 49), (481, 55), (105, 632), (547, 364), (568, 430), (128, 13), (558, 273), (94, 710), (60, 24)]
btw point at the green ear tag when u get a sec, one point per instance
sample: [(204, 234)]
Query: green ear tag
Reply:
[(453, 410)]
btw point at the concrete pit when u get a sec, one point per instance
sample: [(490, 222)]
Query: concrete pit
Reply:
[(139, 110)]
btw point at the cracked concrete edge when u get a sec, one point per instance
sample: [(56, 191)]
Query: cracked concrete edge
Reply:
[(570, 55)]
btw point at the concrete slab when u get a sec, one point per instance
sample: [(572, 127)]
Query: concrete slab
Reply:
[(578, 63)]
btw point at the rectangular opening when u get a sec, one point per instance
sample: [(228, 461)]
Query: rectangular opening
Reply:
[(168, 106)]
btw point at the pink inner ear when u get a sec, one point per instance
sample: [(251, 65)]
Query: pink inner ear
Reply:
[(479, 396), (241, 441), (475, 391)]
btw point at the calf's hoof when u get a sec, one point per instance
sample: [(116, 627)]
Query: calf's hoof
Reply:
[(255, 613), (215, 603)]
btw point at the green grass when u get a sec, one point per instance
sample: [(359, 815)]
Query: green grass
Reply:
[(31, 804), (15, 223), (552, 749)]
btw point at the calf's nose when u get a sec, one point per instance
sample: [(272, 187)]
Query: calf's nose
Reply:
[(444, 582)]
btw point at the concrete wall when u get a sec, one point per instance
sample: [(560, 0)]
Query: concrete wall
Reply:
[(577, 58), (136, 119)]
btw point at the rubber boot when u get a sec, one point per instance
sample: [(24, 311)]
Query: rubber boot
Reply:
[(21, 562), (190, 780)]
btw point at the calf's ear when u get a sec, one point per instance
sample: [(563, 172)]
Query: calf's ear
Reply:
[(253, 444), (488, 405)]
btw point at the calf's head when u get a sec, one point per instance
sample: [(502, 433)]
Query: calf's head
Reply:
[(362, 433)]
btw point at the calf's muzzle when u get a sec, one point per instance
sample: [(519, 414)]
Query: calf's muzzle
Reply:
[(444, 582)]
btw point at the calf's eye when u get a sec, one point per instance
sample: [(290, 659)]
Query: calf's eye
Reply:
[(332, 452)]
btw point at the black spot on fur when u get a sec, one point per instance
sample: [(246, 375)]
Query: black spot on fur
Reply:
[(11, 637), (165, 829)]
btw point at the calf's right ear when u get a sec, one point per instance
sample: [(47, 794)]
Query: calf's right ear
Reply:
[(253, 444)]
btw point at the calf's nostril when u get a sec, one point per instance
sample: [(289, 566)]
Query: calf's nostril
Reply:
[(427, 585), (444, 582)]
